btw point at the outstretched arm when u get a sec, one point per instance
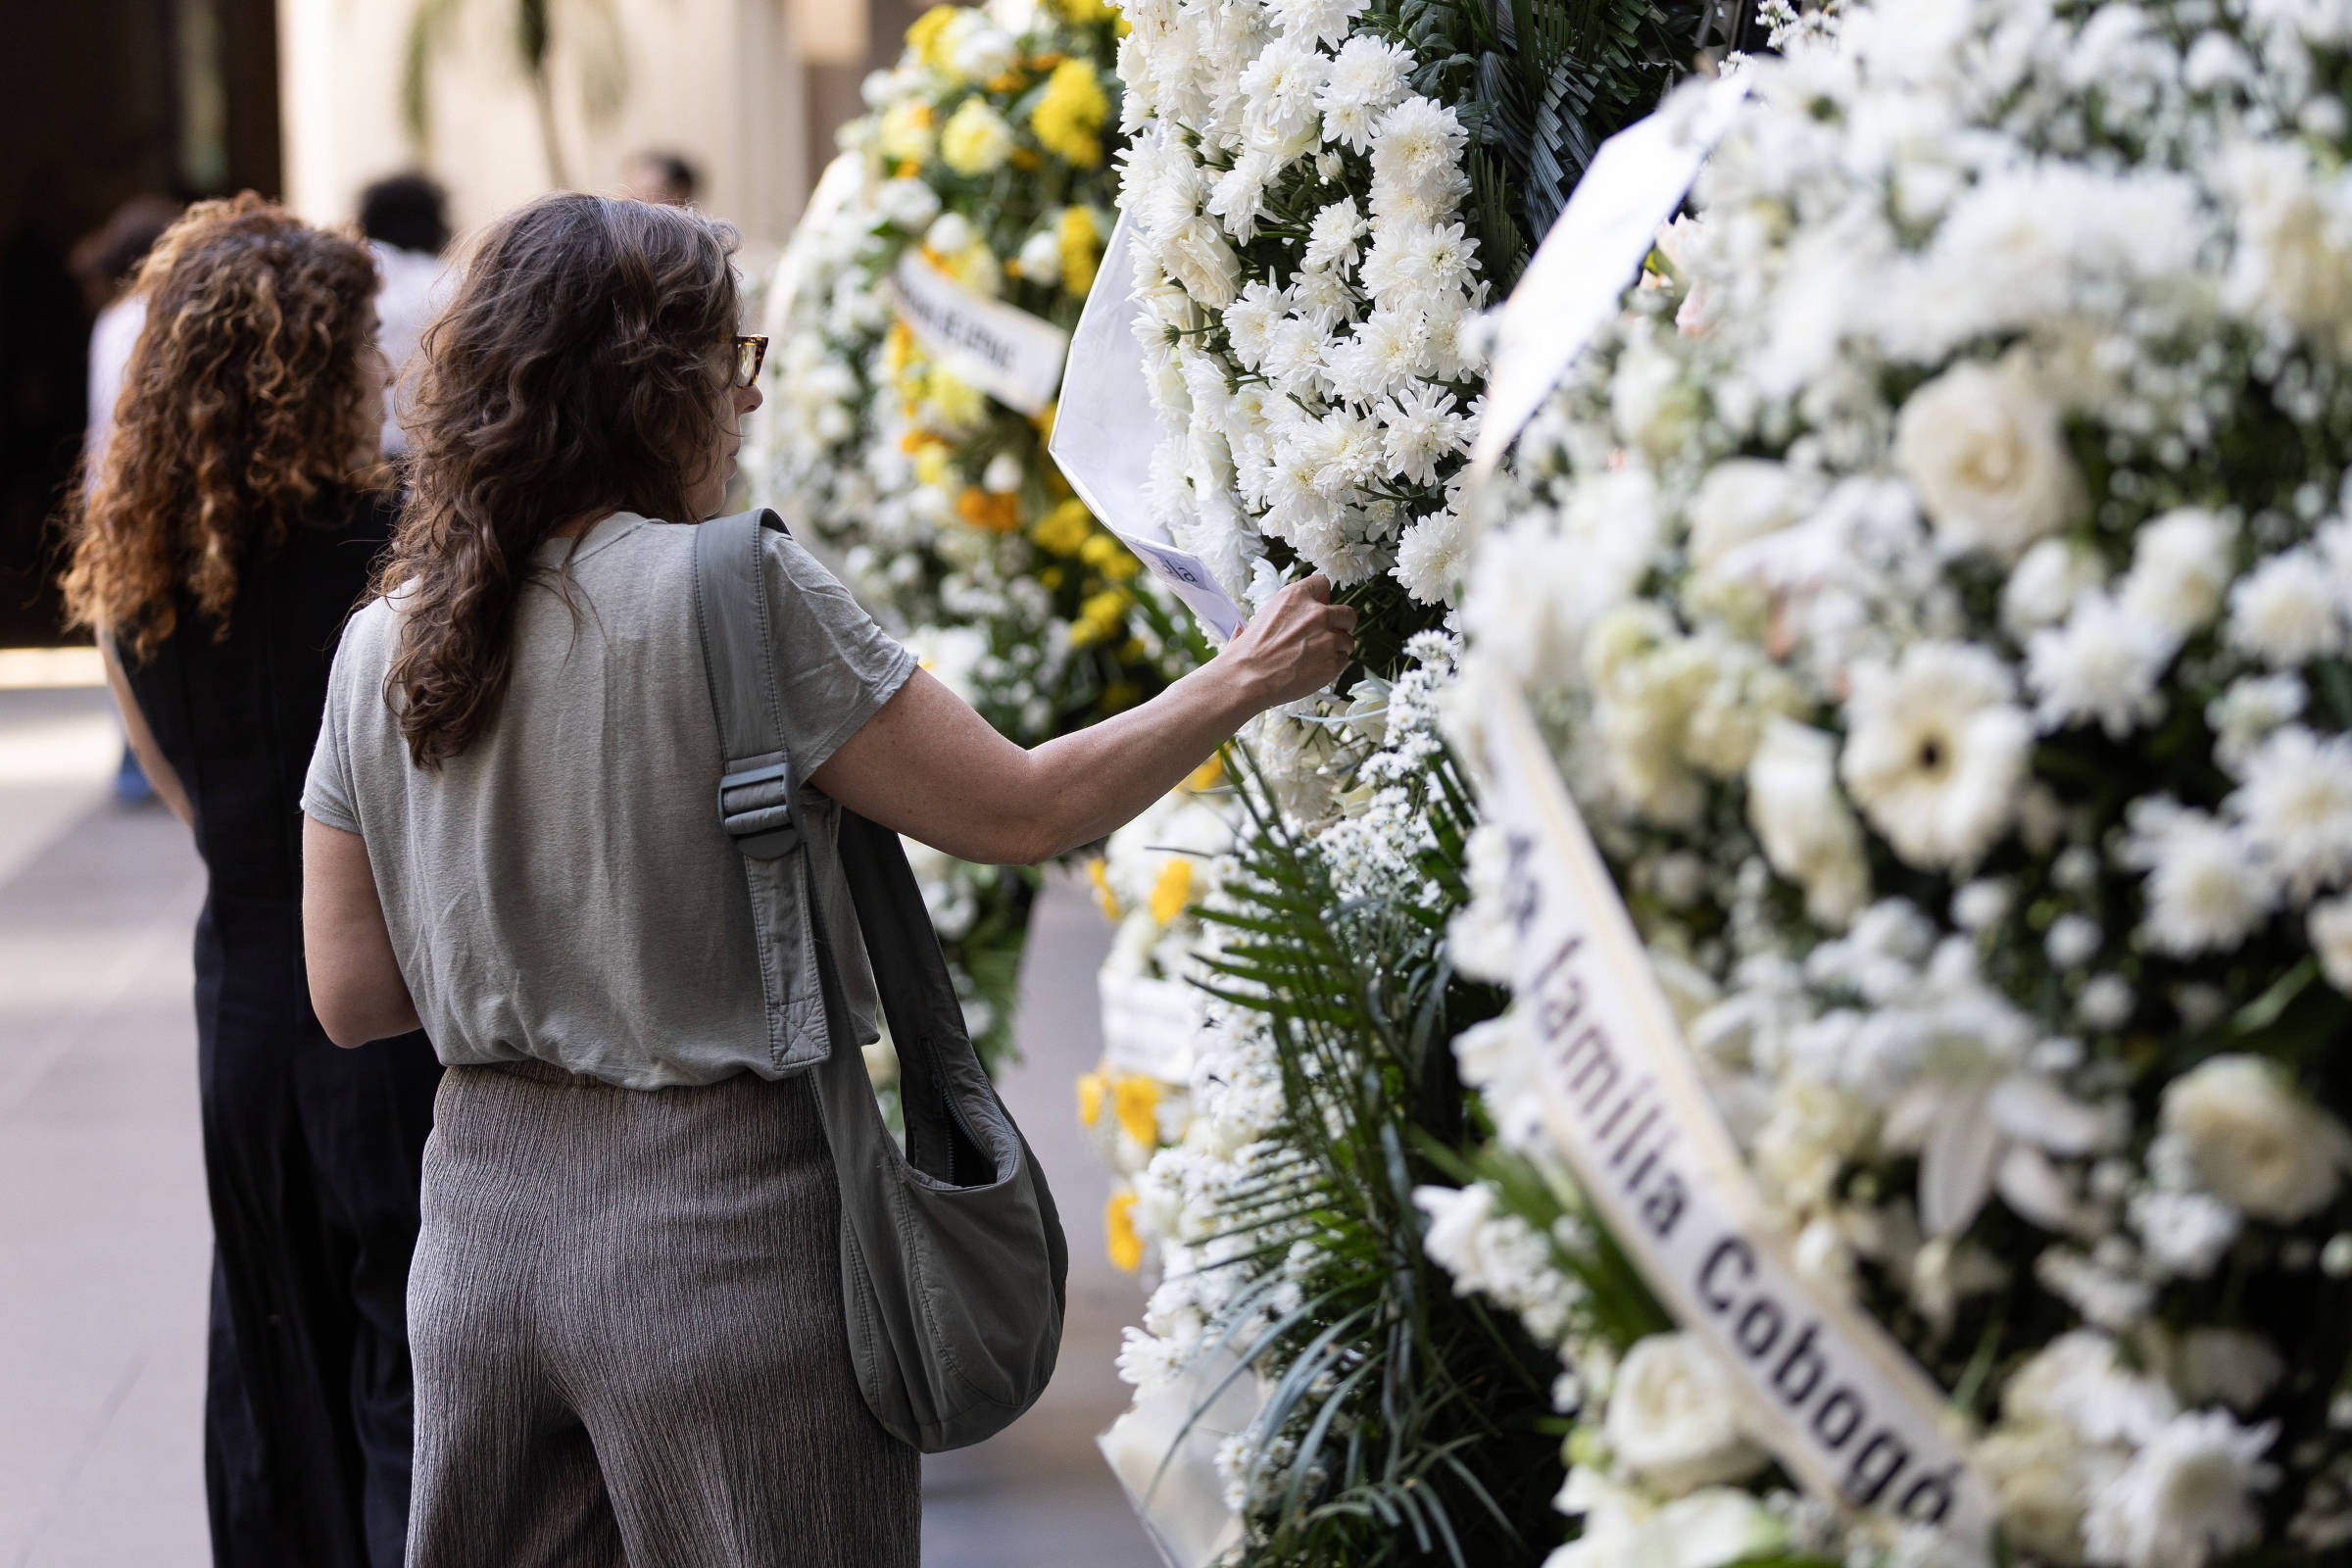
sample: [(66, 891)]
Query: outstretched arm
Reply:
[(930, 767)]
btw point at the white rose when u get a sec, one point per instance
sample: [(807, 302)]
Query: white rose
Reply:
[(1705, 1530), (2330, 929), (1982, 449), (1741, 499), (2180, 570), (1673, 1416), (2038, 1489), (1809, 832), (2253, 1141)]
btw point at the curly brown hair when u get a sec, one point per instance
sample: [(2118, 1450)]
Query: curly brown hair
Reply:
[(578, 371), (244, 400)]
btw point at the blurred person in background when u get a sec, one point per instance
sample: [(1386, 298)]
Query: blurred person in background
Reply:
[(228, 532), (103, 265), (405, 217), (663, 177)]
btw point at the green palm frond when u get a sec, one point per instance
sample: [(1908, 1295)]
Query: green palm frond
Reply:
[(1402, 1423)]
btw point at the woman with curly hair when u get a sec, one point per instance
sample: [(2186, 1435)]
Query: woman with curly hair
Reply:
[(627, 1299), (227, 534)]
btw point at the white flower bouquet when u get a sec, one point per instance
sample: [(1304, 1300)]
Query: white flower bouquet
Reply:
[(1938, 588), (984, 151)]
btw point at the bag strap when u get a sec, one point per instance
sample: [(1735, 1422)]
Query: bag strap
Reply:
[(732, 614)]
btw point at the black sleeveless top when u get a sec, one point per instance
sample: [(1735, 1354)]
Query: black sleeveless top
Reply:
[(237, 717)]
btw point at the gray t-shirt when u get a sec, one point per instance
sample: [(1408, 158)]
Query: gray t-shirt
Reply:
[(562, 889)]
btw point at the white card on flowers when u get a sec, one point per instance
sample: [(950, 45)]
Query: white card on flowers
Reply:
[(1104, 430), (1596, 246), (1006, 352), (1835, 1398)]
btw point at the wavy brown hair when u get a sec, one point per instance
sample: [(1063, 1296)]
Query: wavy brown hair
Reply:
[(580, 370), (243, 401)]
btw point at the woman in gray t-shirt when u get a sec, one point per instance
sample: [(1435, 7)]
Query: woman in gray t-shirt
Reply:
[(626, 1307)]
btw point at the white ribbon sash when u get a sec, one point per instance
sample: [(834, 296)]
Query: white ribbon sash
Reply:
[(1006, 352), (1834, 1397)]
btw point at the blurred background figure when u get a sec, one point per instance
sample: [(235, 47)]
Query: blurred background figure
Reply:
[(660, 177), (406, 219), (228, 533), (106, 264), (103, 265)]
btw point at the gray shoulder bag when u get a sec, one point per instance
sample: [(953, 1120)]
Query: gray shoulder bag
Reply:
[(953, 1263)]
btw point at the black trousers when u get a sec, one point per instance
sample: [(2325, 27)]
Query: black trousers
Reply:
[(312, 1156)]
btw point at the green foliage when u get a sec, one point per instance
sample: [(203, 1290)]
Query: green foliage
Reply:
[(1540, 84), (1403, 1424)]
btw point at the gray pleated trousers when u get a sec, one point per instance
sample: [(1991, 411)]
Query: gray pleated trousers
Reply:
[(625, 1315)]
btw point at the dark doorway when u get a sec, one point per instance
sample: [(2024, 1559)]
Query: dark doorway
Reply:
[(100, 101)]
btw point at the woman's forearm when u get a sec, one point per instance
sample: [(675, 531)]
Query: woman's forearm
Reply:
[(1104, 776), (926, 766)]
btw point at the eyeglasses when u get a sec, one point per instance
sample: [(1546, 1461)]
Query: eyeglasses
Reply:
[(749, 354)]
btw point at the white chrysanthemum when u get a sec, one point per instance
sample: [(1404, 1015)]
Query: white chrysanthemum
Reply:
[(2246, 713), (2103, 665), (1417, 161), (1278, 92), (907, 204), (1318, 20), (2253, 1141), (2296, 807), (1418, 267), (2330, 927), (2205, 889), (2286, 611), (1366, 82), (2046, 584), (2186, 1499), (2183, 1233), (1981, 447), (1430, 556), (1331, 238), (1419, 430), (1935, 751), (2179, 571), (1388, 353), (1249, 321)]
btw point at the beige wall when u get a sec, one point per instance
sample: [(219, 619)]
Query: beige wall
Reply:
[(719, 80)]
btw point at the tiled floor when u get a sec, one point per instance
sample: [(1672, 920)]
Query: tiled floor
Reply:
[(104, 1242)]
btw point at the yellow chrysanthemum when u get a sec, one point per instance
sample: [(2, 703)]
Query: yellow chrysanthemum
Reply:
[(1135, 1101), (1068, 117), (1107, 556), (1098, 871), (1124, 1243), (958, 402), (898, 349), (1081, 248), (923, 36), (976, 139), (1208, 776), (995, 512), (1174, 889), (1044, 421), (905, 135), (1080, 13), (1065, 530), (931, 464), (1099, 616), (1091, 1086), (1119, 696)]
